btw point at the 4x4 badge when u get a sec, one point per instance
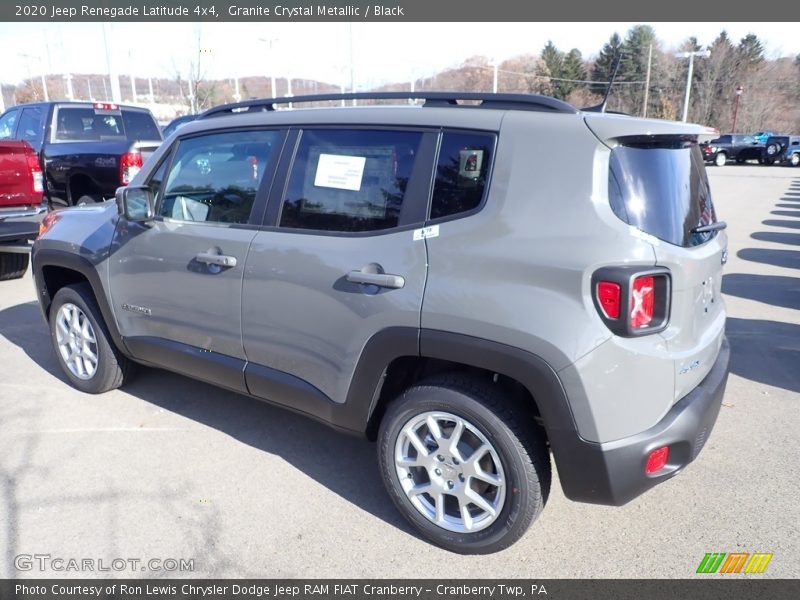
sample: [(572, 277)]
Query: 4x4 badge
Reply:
[(426, 232)]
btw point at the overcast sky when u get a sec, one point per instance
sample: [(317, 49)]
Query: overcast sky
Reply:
[(381, 51)]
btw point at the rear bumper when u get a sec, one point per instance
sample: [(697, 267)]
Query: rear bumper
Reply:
[(613, 473), (20, 224)]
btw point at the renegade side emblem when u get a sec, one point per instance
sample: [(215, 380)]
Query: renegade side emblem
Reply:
[(137, 309)]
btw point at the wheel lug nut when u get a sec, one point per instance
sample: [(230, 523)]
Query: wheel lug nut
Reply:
[(438, 471), (450, 484), (461, 477), (440, 458), (455, 461)]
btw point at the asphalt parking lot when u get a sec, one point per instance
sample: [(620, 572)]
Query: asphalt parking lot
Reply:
[(170, 468)]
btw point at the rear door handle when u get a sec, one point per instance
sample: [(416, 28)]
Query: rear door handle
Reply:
[(216, 259), (372, 275)]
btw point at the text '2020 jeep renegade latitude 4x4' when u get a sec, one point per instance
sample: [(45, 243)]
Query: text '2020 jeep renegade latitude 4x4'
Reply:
[(432, 277)]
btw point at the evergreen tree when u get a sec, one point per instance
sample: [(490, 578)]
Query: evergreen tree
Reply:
[(750, 51), (603, 67)]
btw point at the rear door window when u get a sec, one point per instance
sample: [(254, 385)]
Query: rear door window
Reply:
[(349, 180), (31, 126), (662, 189), (8, 125)]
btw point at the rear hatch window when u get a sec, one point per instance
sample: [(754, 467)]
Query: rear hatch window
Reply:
[(659, 185)]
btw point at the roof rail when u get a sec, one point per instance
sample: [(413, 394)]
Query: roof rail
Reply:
[(487, 100)]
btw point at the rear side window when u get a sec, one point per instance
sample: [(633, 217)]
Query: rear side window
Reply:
[(349, 180), (140, 126), (662, 190), (461, 173), (214, 178), (31, 125)]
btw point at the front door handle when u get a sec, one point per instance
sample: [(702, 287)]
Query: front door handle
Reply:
[(220, 260), (372, 274)]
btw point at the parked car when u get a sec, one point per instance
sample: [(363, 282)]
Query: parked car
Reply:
[(21, 193), (176, 124), (732, 146), (783, 149), (762, 136), (86, 150), (431, 278)]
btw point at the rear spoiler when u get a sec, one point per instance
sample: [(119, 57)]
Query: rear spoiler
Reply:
[(610, 127)]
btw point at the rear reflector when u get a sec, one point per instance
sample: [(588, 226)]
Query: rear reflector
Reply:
[(129, 165), (608, 297), (643, 301), (657, 460)]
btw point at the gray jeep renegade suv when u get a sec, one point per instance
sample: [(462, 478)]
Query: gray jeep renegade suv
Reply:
[(437, 278)]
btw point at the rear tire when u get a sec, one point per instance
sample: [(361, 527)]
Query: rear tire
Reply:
[(13, 265), (491, 482), (720, 159), (82, 342)]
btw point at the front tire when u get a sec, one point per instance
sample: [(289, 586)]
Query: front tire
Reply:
[(466, 466), (13, 265), (82, 343), (794, 160)]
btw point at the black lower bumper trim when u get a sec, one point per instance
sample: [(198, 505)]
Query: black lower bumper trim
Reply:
[(613, 473)]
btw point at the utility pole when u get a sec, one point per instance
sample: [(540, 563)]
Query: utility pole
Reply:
[(133, 79), (68, 79), (494, 82), (89, 87), (352, 75), (116, 93), (739, 90), (690, 56), (150, 87), (647, 81)]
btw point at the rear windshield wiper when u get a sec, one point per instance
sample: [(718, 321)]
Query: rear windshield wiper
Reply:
[(718, 226)]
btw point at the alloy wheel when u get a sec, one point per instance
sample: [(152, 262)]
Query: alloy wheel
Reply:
[(76, 341), (450, 472)]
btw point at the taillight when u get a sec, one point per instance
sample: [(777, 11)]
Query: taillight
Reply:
[(129, 165), (657, 460), (608, 296), (643, 301), (35, 169), (632, 301)]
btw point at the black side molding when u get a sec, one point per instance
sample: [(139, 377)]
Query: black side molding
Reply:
[(204, 365)]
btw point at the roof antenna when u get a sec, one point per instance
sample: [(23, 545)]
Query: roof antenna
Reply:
[(601, 108)]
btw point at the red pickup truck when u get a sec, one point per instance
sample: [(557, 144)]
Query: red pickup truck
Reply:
[(21, 205)]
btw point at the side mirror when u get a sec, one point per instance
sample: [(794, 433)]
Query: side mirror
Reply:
[(135, 203)]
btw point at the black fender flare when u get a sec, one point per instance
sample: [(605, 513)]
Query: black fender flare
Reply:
[(49, 257)]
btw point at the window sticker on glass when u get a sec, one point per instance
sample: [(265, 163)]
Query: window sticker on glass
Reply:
[(469, 163), (340, 171)]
